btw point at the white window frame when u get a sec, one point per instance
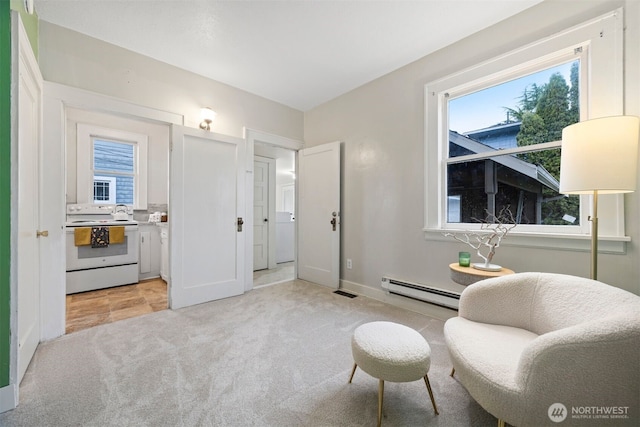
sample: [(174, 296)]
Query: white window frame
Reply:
[(112, 189), (599, 45), (86, 134)]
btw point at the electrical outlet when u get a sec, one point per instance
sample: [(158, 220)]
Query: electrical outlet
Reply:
[(349, 264)]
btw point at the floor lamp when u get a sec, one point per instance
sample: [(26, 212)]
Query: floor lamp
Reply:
[(599, 156)]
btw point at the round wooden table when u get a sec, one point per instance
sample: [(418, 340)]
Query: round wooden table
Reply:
[(468, 275)]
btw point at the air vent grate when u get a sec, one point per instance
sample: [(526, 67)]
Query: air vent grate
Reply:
[(344, 294)]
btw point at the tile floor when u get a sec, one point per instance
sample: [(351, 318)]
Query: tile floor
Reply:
[(93, 308)]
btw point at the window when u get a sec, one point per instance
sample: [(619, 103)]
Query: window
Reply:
[(516, 115), (104, 189), (115, 160), (111, 166), (493, 132)]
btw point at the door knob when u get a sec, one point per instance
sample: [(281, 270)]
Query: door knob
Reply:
[(44, 233), (333, 224), (240, 222), (266, 220)]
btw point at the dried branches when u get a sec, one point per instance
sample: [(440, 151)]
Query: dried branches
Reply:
[(492, 230)]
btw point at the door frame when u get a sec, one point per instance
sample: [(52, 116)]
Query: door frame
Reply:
[(57, 98), (252, 136)]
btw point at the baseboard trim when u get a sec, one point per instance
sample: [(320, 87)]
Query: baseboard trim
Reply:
[(425, 308), (8, 398)]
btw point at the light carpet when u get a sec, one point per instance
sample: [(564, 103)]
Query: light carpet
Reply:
[(277, 356)]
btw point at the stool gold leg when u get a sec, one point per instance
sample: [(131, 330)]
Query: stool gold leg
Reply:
[(501, 423), (380, 394), (355, 365), (453, 371), (433, 402)]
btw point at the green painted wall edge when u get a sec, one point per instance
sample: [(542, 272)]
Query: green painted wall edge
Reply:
[(5, 191)]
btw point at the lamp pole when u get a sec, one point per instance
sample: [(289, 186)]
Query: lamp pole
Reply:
[(594, 237)]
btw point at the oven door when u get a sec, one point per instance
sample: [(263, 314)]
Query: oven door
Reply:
[(85, 257)]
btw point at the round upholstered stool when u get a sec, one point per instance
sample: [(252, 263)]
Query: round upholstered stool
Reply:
[(391, 352)]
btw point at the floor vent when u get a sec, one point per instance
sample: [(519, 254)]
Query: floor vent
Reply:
[(424, 293), (344, 294)]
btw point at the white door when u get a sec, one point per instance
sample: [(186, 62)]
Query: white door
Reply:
[(206, 210), (319, 214), (261, 174), (29, 109)]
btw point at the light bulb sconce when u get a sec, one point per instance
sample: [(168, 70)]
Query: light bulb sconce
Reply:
[(207, 115)]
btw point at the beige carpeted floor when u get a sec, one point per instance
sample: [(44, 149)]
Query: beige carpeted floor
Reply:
[(276, 356)]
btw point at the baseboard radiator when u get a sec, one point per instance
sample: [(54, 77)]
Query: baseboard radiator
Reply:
[(417, 291)]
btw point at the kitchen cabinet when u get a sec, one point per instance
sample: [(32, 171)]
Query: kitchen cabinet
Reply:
[(149, 261)]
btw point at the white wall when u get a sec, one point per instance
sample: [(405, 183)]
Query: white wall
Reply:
[(76, 60), (284, 179), (382, 127)]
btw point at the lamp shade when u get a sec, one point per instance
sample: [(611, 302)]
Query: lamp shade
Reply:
[(207, 114), (600, 154)]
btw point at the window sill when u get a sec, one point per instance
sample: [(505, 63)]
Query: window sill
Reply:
[(569, 242)]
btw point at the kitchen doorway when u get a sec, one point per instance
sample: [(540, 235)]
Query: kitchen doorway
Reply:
[(129, 284)]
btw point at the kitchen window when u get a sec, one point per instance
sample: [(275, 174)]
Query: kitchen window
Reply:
[(117, 161), (111, 166), (475, 168)]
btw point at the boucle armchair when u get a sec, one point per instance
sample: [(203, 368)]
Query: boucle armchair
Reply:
[(524, 342)]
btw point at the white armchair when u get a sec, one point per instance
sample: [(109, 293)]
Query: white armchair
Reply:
[(527, 341)]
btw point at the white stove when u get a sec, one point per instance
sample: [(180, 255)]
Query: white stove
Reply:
[(86, 215), (89, 267)]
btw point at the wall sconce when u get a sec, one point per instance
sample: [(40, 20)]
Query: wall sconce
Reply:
[(207, 115)]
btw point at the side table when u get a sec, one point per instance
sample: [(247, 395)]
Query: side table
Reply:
[(468, 275)]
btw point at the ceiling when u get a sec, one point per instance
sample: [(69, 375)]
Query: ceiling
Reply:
[(300, 53)]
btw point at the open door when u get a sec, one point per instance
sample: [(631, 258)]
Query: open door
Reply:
[(27, 96), (206, 211), (319, 214)]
